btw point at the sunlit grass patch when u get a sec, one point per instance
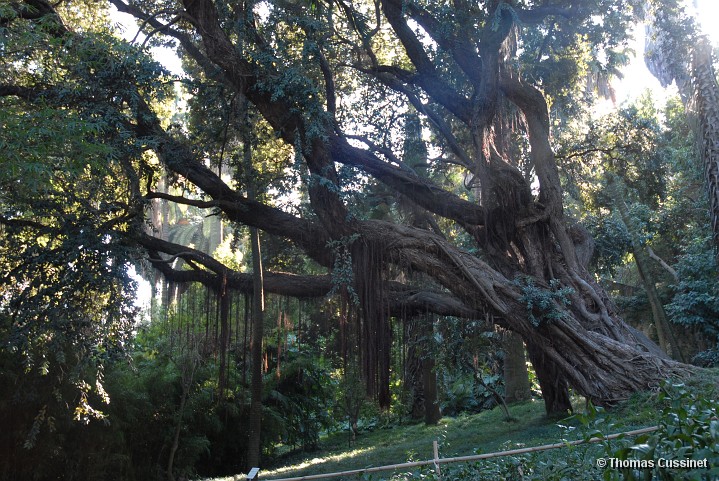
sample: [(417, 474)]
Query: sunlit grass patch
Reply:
[(316, 462)]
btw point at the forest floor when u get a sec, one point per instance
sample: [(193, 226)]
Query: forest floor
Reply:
[(463, 435)]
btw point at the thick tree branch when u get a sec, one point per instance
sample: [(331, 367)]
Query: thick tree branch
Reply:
[(202, 204), (442, 127), (419, 190), (25, 93), (427, 77), (281, 113), (329, 83), (152, 243), (180, 159), (35, 10), (26, 223), (404, 300), (186, 42), (463, 50), (285, 284)]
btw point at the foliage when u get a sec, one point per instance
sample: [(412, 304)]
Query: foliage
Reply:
[(652, 152), (688, 430), (342, 271), (628, 144), (544, 305), (696, 298), (66, 297), (467, 365), (612, 242), (297, 403), (146, 396)]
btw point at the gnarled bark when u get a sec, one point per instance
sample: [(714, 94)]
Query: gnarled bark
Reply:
[(584, 344), (526, 248)]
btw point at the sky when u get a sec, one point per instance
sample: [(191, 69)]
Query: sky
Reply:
[(128, 29), (708, 12), (636, 76)]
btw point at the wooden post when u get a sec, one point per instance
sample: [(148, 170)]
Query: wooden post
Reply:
[(435, 447)]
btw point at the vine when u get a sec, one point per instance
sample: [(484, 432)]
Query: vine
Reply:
[(342, 272)]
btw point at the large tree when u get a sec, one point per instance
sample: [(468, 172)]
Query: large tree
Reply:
[(332, 81)]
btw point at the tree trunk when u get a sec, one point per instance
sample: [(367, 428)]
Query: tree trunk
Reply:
[(706, 98), (420, 375), (516, 377), (412, 379), (666, 338), (224, 300), (432, 413), (554, 385), (258, 307)]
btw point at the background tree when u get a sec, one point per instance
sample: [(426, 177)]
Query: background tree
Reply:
[(673, 31), (654, 163), (623, 164)]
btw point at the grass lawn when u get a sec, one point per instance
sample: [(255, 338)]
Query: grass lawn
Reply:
[(464, 435), (460, 436)]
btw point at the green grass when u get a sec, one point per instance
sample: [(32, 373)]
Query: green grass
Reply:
[(460, 436), (464, 435)]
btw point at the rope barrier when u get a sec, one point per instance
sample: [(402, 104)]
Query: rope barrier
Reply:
[(463, 459)]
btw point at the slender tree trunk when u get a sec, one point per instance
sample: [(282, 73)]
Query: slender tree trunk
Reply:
[(253, 453), (247, 322), (412, 381), (666, 338), (420, 376), (258, 309), (176, 438), (188, 375), (516, 376), (432, 413), (224, 300)]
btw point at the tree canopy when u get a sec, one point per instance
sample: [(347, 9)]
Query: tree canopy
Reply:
[(399, 156)]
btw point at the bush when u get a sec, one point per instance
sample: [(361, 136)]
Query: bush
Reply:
[(688, 431)]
